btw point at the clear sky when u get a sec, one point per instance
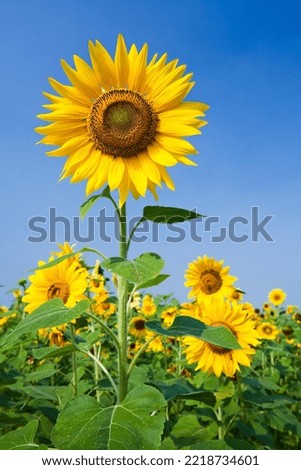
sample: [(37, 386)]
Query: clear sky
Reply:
[(245, 56)]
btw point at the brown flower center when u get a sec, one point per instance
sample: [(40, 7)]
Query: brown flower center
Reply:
[(140, 324), (122, 123), (58, 289), (267, 330), (210, 281)]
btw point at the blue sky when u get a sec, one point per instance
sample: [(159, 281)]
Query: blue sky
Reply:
[(245, 56)]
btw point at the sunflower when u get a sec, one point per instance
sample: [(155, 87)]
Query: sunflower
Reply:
[(215, 359), (3, 319), (122, 120), (236, 295), (137, 327), (64, 280), (104, 309), (156, 345), (148, 307), (209, 279), (267, 330), (277, 296), (135, 303), (55, 335), (168, 316), (290, 309)]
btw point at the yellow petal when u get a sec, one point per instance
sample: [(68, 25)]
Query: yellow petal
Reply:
[(115, 172), (136, 174), (103, 65), (159, 155), (121, 61)]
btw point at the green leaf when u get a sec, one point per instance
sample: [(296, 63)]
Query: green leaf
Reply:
[(153, 282), (89, 203), (51, 313), (168, 215), (142, 269), (22, 438), (183, 389), (188, 326), (52, 351), (136, 423), (239, 444), (42, 372), (211, 445)]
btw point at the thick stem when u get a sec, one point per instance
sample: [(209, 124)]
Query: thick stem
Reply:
[(74, 361), (221, 429), (122, 311)]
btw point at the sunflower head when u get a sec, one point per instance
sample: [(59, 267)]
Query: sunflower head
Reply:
[(137, 327), (267, 330), (208, 279), (122, 120), (168, 316), (65, 280), (148, 307), (277, 296), (215, 359)]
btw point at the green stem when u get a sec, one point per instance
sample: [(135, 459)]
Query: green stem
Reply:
[(140, 221), (104, 369), (122, 311), (221, 429), (104, 327), (74, 360), (138, 354)]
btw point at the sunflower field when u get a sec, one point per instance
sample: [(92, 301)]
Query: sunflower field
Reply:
[(90, 357)]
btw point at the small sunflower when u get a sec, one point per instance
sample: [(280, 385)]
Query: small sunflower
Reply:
[(104, 309), (64, 280), (168, 316), (135, 303), (137, 327), (148, 307), (297, 317), (277, 296), (55, 335), (156, 345), (208, 278), (236, 295), (3, 319), (122, 120), (290, 309), (267, 330), (215, 359)]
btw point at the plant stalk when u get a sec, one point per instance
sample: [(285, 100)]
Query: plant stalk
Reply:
[(122, 286)]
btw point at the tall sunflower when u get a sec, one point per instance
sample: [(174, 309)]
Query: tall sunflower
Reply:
[(208, 279), (122, 120), (215, 359), (64, 280)]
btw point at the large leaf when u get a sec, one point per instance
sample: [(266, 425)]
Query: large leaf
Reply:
[(142, 269), (89, 203), (136, 423), (52, 351), (22, 438), (169, 215), (188, 326), (51, 313), (183, 389), (153, 282)]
